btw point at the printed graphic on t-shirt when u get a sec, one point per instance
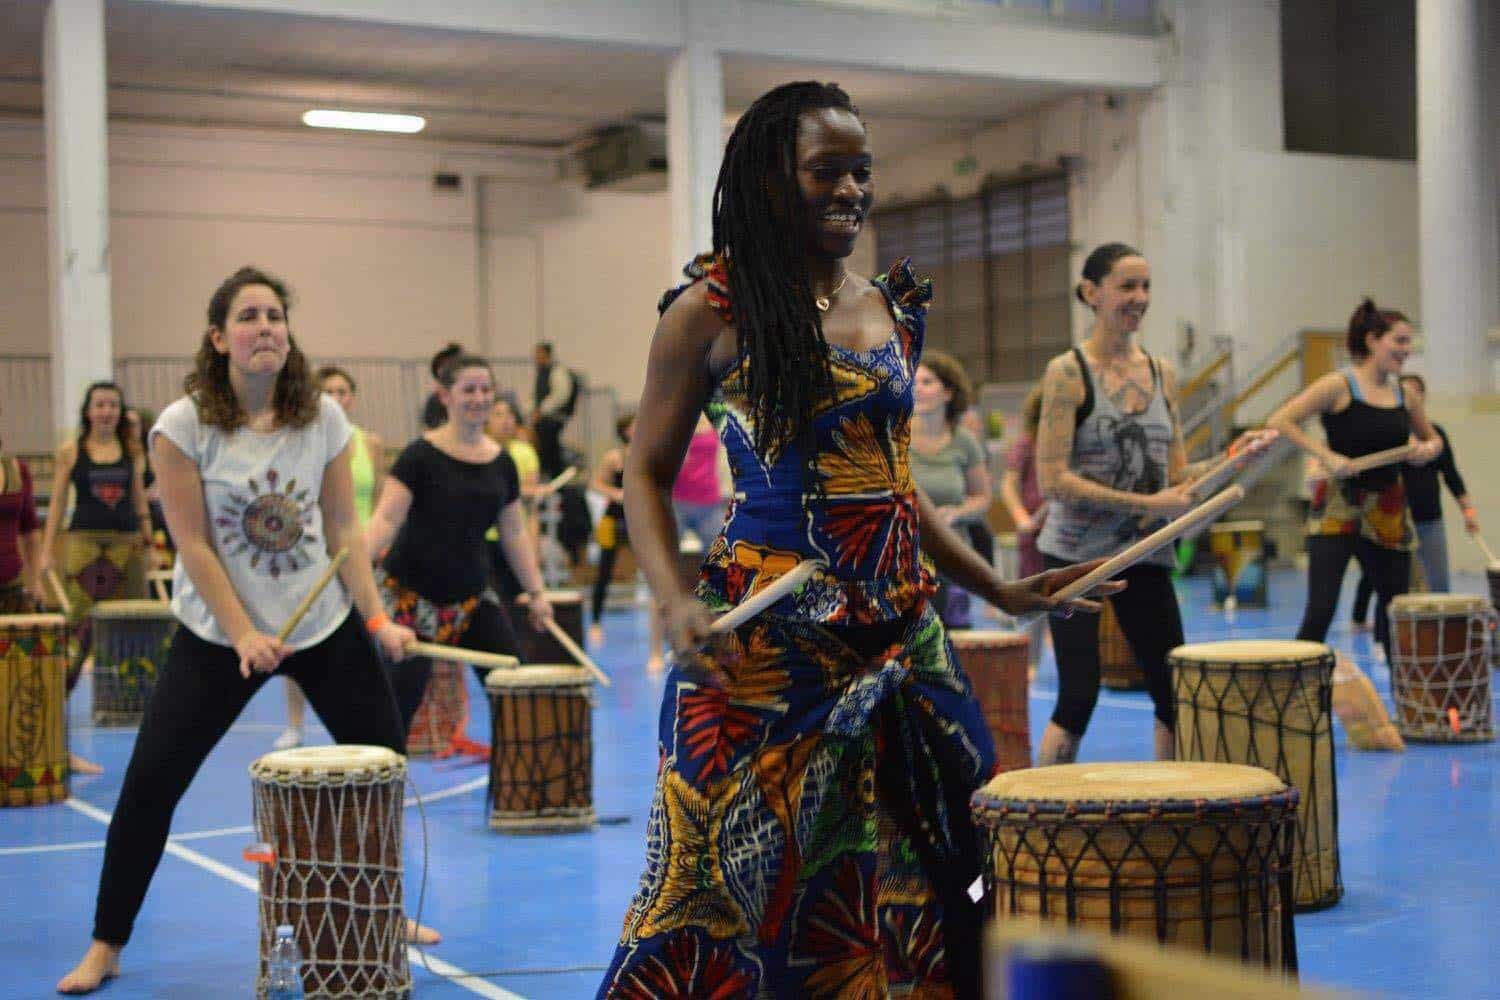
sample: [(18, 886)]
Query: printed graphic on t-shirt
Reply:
[(107, 486), (273, 524)]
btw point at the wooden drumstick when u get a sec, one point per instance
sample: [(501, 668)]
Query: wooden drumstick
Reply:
[(1165, 535), (159, 587), (312, 595), (438, 651), (576, 651), (775, 591), (1375, 460), (1488, 555), (59, 592), (562, 479)]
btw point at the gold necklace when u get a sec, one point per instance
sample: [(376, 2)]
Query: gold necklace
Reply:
[(825, 302)]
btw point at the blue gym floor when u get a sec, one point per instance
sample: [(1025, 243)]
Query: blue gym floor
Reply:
[(537, 917)]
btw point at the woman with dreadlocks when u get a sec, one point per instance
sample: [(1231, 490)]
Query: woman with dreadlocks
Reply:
[(809, 835)]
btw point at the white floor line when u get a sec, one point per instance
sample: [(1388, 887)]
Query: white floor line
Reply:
[(448, 793), (223, 831), (245, 881)]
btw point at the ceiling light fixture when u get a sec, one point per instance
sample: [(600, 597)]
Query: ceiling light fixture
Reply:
[(364, 121)]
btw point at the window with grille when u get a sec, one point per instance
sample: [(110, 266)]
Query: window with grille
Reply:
[(999, 265)]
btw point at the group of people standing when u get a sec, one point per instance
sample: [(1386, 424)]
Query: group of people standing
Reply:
[(810, 830)]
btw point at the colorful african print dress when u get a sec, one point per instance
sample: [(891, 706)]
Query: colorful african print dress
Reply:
[(810, 833)]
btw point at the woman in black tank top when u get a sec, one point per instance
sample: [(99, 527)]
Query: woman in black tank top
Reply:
[(1362, 411), (609, 479), (108, 539)]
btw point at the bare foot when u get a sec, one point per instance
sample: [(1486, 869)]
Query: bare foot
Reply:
[(100, 962), (418, 934), (80, 765), (655, 665), (596, 634)]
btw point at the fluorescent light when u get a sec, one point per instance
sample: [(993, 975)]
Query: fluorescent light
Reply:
[(365, 121)]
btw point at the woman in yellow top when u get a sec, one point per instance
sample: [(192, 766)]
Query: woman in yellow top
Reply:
[(367, 462)]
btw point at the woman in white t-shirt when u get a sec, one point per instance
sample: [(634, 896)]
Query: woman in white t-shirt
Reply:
[(255, 478)]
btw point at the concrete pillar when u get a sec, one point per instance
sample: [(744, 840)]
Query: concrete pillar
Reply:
[(695, 145), (77, 203), (1456, 196)]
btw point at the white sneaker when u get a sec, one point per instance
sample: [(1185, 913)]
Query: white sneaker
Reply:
[(290, 737)]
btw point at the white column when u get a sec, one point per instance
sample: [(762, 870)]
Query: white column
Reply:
[(1456, 196), (695, 145), (77, 202)]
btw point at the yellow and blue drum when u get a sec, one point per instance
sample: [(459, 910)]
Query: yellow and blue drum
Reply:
[(1239, 553)]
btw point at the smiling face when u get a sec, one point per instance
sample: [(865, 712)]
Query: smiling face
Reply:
[(342, 392), (1121, 299), (1390, 350), (834, 180), (255, 335), (471, 397), (929, 394), (103, 411)]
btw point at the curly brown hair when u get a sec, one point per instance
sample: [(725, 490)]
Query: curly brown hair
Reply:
[(952, 375), (295, 397)]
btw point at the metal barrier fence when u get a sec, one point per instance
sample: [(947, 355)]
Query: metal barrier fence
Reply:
[(389, 402)]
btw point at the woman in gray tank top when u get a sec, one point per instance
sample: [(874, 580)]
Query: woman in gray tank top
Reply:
[(1111, 462)]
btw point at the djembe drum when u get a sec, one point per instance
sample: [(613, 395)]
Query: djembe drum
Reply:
[(542, 647), (1118, 668), (1269, 704), (332, 818), (541, 749), (996, 663), (1440, 667), (1239, 577), (442, 712), (33, 709), (131, 639), (1189, 853)]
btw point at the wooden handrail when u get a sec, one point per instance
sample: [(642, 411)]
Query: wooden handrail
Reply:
[(1200, 436), (1198, 381)]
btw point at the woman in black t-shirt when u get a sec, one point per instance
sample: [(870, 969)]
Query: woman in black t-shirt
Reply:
[(445, 490)]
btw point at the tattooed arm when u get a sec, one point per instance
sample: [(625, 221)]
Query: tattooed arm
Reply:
[(1062, 395)]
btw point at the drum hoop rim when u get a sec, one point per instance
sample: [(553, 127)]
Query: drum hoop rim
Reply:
[(1124, 808), (556, 675), (1176, 655), (133, 608), (283, 767), (34, 618)]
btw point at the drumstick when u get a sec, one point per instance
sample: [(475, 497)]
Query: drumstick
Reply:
[(158, 585), (62, 595), (1375, 460), (755, 604), (562, 479), (457, 653), (1488, 555), (312, 595), (576, 651), (1165, 535)]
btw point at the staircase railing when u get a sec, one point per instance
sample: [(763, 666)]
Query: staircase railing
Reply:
[(1210, 428)]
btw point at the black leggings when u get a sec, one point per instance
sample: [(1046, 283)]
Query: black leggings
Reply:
[(1148, 615), (488, 631), (1388, 570), (198, 696)]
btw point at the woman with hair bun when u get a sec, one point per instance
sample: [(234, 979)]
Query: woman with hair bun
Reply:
[(1111, 460), (1363, 410)]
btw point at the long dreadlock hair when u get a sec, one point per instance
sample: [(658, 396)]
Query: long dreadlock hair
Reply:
[(778, 325)]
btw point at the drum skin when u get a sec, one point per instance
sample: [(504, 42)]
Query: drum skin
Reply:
[(1270, 704)]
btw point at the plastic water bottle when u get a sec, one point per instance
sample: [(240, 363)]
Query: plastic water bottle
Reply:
[(284, 967)]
